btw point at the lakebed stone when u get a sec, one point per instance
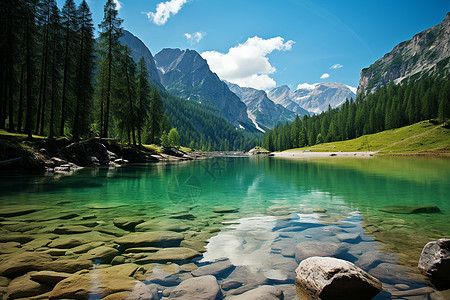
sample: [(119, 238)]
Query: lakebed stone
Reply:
[(66, 242), (331, 278), (203, 287), (307, 249), (68, 265), (51, 277), (102, 254), (434, 262), (19, 210), (127, 223), (162, 225), (217, 269), (24, 286), (400, 209), (154, 238), (24, 262), (81, 286), (265, 292), (169, 255), (225, 209)]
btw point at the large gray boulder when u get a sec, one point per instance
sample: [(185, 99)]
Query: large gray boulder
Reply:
[(332, 278), (434, 262), (203, 287)]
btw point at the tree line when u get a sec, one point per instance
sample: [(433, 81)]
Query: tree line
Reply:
[(391, 106), (57, 80)]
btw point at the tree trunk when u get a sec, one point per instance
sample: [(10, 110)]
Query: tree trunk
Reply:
[(28, 20), (108, 88), (64, 88), (20, 111), (54, 87), (76, 125), (43, 81)]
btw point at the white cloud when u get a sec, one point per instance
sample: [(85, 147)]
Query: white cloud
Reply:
[(194, 38), (336, 66), (118, 4), (164, 10), (247, 64), (324, 76), (306, 86)]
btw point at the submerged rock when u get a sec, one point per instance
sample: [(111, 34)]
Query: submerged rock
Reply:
[(81, 286), (51, 277), (203, 287), (331, 278), (217, 269), (225, 209), (18, 210), (169, 255), (154, 238), (400, 209), (24, 262), (127, 223), (24, 286), (66, 242), (163, 224), (102, 254), (307, 249), (265, 292), (434, 262)]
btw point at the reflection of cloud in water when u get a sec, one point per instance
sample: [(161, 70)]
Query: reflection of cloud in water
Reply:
[(245, 244)]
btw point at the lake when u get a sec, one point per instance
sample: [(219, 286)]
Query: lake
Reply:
[(250, 219)]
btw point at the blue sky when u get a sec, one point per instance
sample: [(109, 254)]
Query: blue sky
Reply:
[(279, 42)]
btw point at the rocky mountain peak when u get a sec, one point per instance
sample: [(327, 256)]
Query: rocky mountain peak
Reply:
[(426, 53), (138, 50), (185, 74)]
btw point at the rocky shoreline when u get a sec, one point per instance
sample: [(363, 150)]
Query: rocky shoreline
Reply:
[(60, 155)]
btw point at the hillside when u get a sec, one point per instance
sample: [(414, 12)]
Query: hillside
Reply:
[(427, 53), (426, 137)]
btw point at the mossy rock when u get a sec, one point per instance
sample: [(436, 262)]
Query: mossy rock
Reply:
[(400, 209)]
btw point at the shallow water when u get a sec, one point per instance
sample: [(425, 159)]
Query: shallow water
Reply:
[(272, 205)]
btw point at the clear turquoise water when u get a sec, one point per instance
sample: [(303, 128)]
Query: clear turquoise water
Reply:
[(279, 202)]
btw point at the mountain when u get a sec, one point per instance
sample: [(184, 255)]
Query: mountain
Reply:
[(185, 74), (264, 113), (427, 53), (314, 98), (282, 95), (138, 50)]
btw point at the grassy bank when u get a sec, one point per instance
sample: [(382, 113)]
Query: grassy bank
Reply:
[(426, 137)]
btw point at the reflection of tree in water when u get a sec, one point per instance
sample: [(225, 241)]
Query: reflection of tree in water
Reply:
[(184, 188)]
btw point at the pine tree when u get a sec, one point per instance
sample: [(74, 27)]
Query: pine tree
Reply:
[(143, 97), (55, 41), (84, 74), (110, 49), (70, 27), (30, 10), (156, 116)]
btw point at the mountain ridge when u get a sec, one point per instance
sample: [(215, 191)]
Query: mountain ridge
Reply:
[(262, 111), (185, 74), (315, 99), (426, 53), (138, 50)]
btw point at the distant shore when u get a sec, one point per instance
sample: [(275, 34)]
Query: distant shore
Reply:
[(310, 154)]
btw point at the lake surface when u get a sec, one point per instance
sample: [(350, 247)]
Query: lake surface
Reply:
[(249, 213)]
